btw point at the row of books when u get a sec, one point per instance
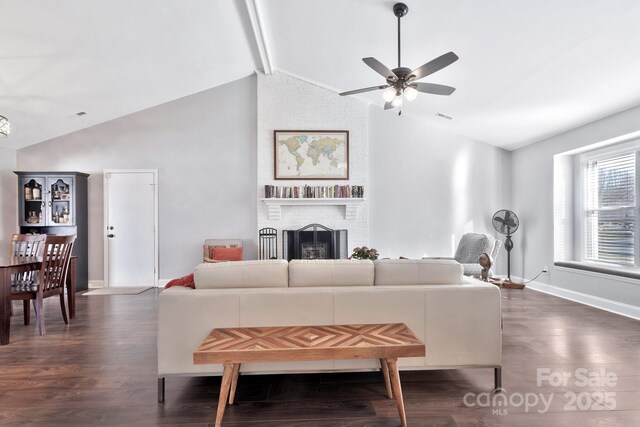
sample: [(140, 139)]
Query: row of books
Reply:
[(314, 192)]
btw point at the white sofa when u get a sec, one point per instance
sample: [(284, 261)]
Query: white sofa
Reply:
[(458, 318)]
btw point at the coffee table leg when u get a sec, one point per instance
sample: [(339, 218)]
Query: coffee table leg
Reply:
[(224, 392), (234, 382), (397, 389), (385, 373)]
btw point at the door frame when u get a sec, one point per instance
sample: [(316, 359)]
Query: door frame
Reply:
[(105, 228)]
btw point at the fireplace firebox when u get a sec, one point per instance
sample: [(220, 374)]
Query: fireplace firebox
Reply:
[(314, 241)]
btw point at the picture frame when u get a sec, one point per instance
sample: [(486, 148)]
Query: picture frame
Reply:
[(311, 154)]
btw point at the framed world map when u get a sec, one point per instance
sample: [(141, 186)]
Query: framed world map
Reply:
[(311, 154)]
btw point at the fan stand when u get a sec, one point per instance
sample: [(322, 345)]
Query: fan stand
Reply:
[(508, 245)]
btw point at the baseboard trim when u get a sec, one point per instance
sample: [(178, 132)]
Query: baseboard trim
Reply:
[(95, 284), (616, 307)]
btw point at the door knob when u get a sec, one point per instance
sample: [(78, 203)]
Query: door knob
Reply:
[(111, 236)]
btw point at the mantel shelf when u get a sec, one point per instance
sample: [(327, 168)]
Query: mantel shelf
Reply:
[(274, 205)]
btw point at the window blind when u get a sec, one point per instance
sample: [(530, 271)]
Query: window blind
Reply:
[(610, 195)]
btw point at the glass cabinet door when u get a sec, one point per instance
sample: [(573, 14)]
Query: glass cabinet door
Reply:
[(61, 194), (33, 201)]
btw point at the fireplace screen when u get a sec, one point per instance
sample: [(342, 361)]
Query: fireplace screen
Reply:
[(314, 241)]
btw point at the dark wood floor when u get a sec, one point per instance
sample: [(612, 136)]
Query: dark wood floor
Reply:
[(101, 370)]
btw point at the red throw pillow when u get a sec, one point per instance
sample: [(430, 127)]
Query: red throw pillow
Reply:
[(226, 254)]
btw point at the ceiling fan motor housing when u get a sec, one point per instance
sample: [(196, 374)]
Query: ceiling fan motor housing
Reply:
[(403, 74)]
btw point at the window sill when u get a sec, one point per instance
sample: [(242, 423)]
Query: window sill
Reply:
[(613, 271)]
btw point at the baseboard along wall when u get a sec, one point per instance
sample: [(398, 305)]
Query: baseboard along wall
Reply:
[(96, 284), (590, 300)]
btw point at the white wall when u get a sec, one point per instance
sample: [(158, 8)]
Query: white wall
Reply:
[(8, 195), (204, 148), (429, 186), (533, 201), (288, 103)]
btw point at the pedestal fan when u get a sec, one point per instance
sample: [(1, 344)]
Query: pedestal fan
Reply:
[(506, 222)]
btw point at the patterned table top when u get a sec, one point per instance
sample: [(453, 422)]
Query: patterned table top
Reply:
[(293, 343)]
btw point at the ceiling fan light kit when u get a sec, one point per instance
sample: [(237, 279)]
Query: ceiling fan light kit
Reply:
[(397, 101), (389, 94), (401, 81), (410, 93)]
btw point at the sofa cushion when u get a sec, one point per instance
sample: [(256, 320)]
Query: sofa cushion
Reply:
[(417, 272), (272, 273), (331, 272)]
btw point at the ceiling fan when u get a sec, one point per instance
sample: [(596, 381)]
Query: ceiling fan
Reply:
[(402, 81)]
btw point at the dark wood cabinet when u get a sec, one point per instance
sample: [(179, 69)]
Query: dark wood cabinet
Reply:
[(56, 203)]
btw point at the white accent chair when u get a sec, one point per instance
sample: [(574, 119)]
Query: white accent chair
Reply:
[(469, 249)]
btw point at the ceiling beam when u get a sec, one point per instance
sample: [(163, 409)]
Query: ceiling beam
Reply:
[(260, 35)]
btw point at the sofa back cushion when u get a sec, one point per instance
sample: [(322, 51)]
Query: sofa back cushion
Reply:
[(330, 272), (417, 272), (272, 273)]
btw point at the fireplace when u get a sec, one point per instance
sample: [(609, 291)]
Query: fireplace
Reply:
[(314, 241)]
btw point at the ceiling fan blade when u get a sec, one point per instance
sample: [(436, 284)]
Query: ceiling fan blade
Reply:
[(366, 89), (388, 105), (434, 65), (380, 68), (434, 88)]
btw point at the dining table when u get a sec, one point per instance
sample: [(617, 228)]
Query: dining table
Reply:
[(10, 265)]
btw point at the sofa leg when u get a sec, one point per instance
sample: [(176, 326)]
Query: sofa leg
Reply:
[(497, 378), (161, 389)]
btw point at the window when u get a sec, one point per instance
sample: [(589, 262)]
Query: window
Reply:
[(610, 208)]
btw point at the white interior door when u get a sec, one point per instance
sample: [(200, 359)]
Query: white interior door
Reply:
[(130, 228)]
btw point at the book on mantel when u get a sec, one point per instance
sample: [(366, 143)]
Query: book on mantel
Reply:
[(314, 192)]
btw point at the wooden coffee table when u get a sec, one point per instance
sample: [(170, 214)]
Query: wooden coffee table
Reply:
[(234, 346)]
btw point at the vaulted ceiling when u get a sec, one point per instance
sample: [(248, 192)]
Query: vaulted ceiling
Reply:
[(527, 70)]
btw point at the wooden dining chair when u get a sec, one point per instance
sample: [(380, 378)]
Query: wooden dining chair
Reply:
[(26, 245), (50, 280)]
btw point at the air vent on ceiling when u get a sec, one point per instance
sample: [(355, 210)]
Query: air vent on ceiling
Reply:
[(444, 116)]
